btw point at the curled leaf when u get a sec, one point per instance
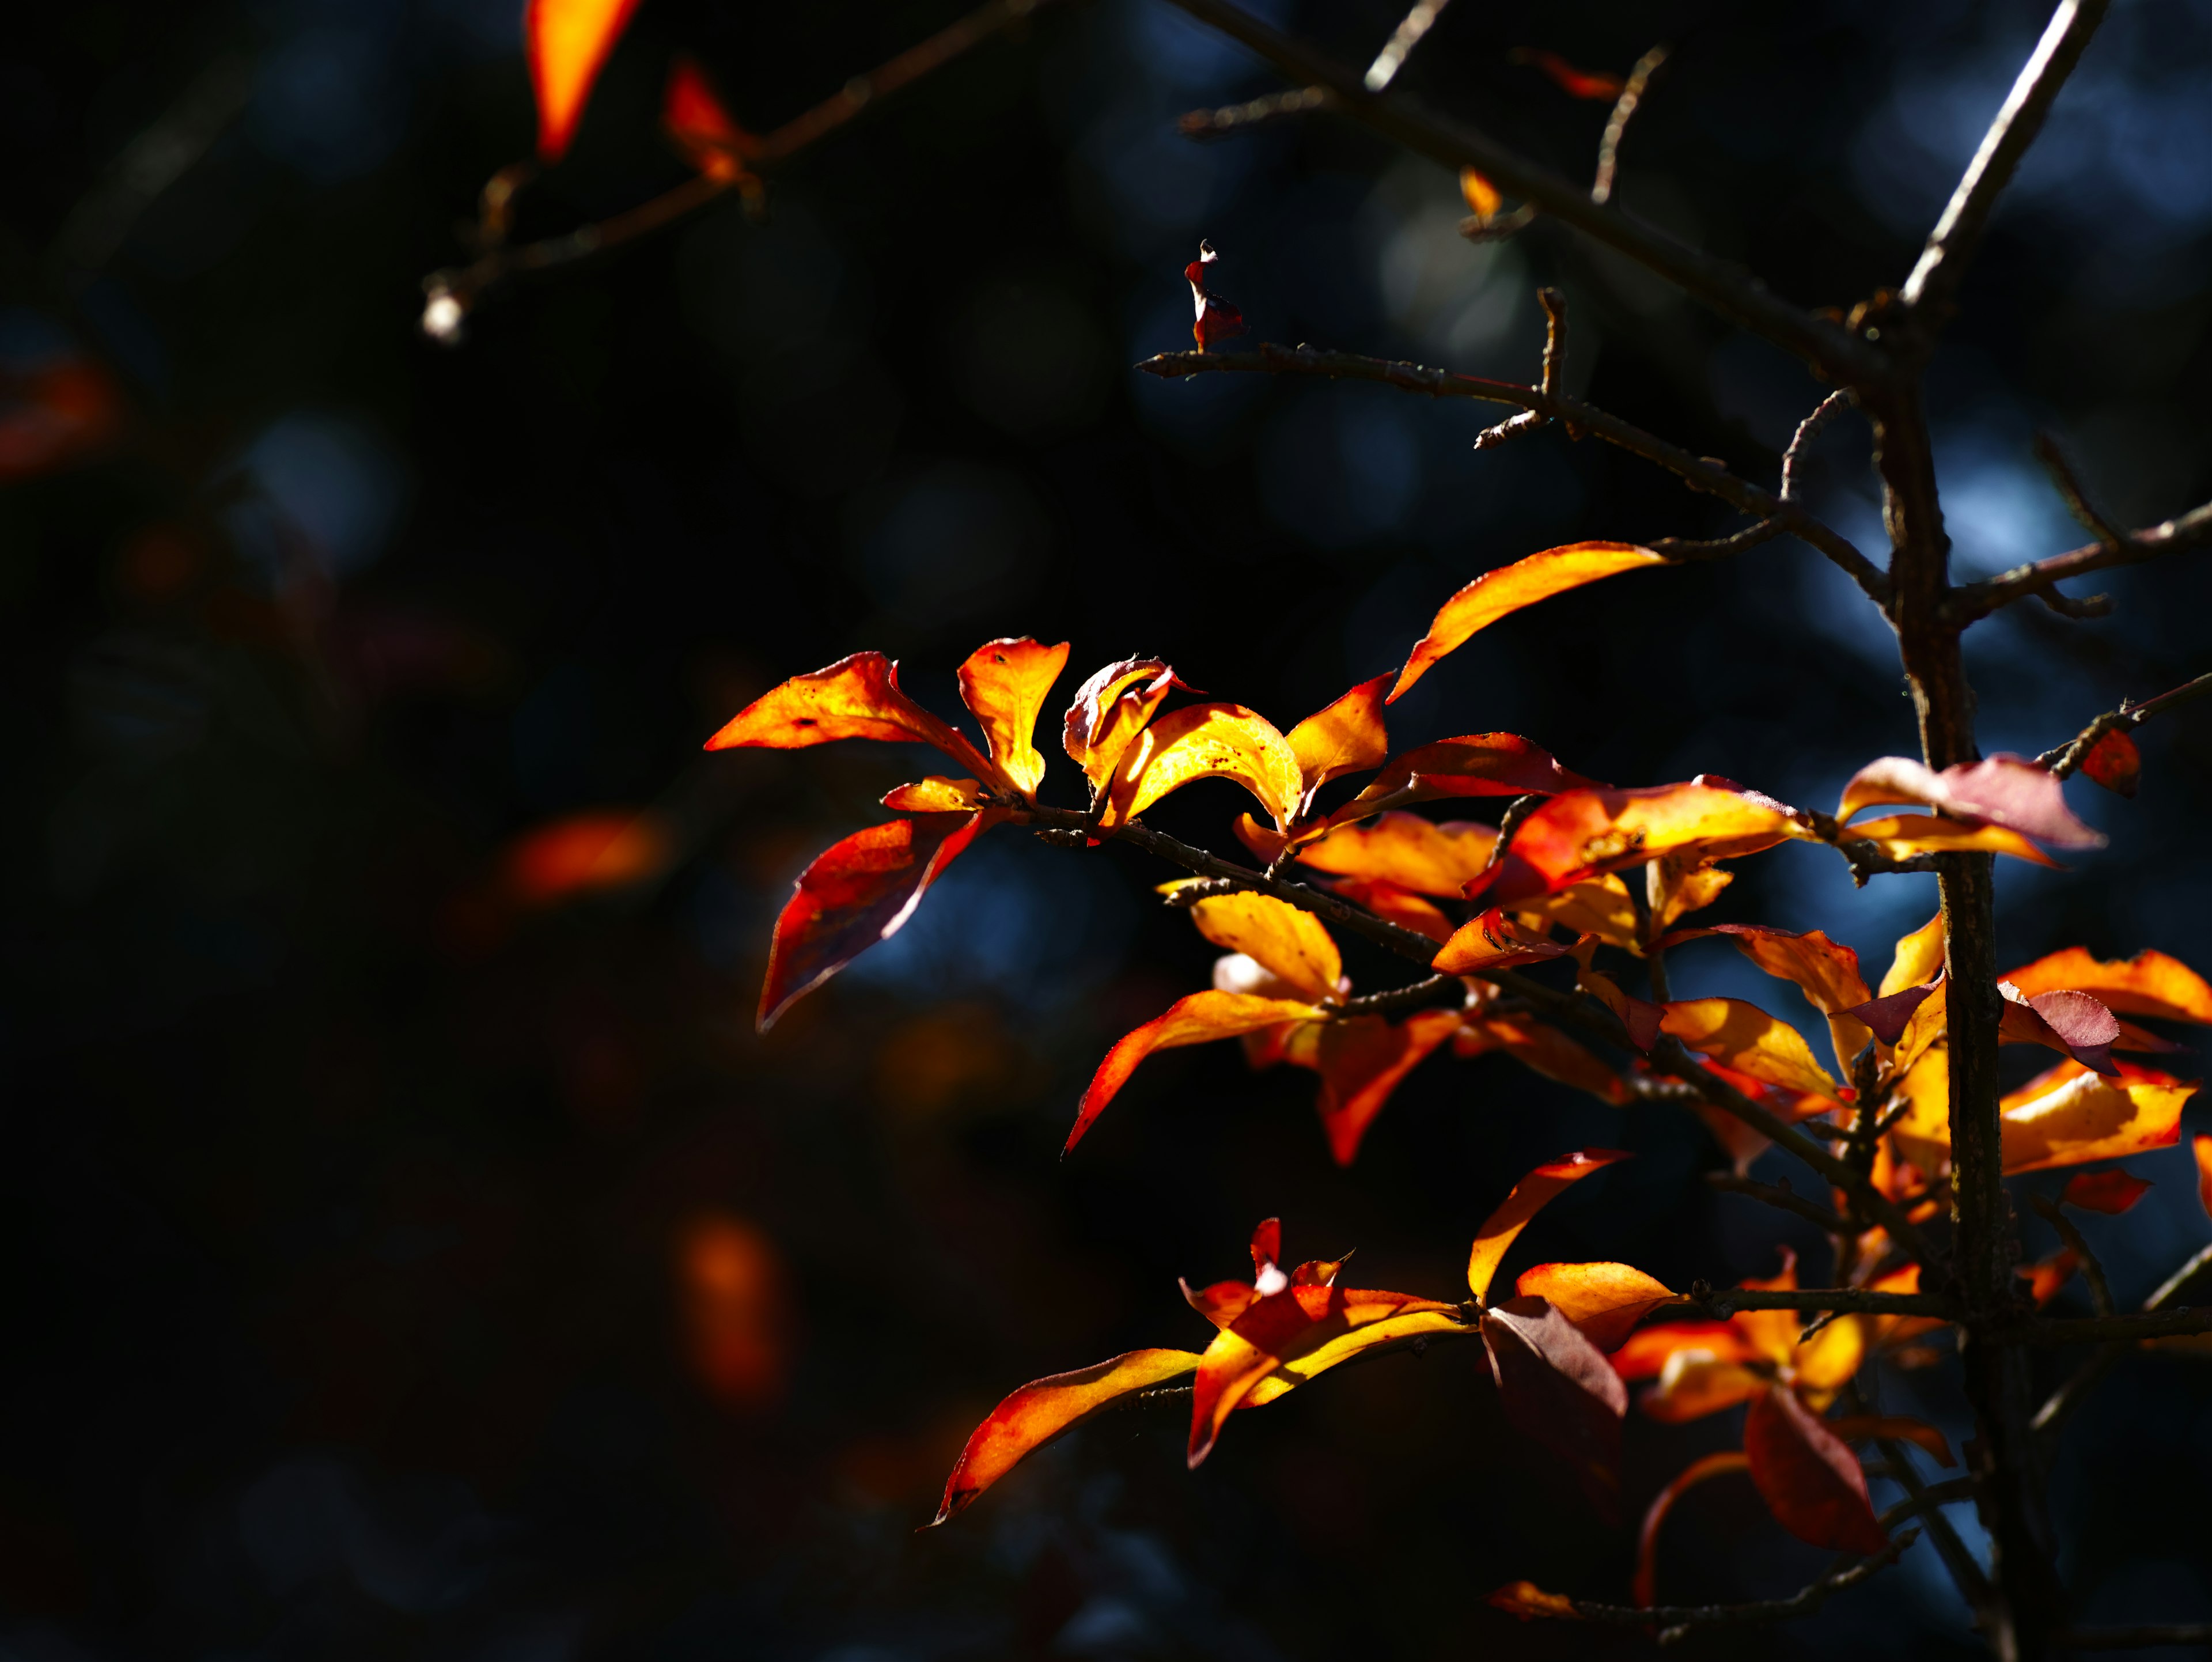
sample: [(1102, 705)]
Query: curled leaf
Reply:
[(1203, 742), (1919, 957), (1216, 319), (1347, 737), (1473, 765), (1197, 1020), (1004, 685), (1749, 1040), (1558, 1389), (2004, 790), (2148, 984), (1604, 1301), (567, 42), (1492, 941), (1501, 592), (1291, 945), (1041, 1410), (2111, 1191), (856, 698), (1529, 1196), (1644, 1587), (857, 892), (1809, 1480), (1581, 833), (1110, 708), (2073, 1023)]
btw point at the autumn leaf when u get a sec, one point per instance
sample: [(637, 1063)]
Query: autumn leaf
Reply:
[(1394, 905), (1749, 1040), (1542, 1047), (2074, 1024), (1197, 1019), (2111, 1191), (700, 128), (1677, 883), (1581, 833), (1645, 1354), (1809, 1480), (856, 698), (1605, 1301), (1558, 1389), (1407, 850), (1693, 1384), (1644, 1587), (1639, 1017), (1040, 1411), (1481, 197), (2148, 984), (2114, 763), (936, 794), (1529, 1197), (1826, 972), (1472, 765), (1216, 319), (1362, 1061), (2070, 1116), (2201, 1147), (1004, 684), (1901, 836), (1202, 741), (1889, 1019), (1110, 708), (1528, 1601), (567, 42), (2004, 790), (1597, 906), (1346, 736), (1501, 592), (1291, 945), (857, 892), (1576, 83), (587, 853), (1490, 942), (1919, 957)]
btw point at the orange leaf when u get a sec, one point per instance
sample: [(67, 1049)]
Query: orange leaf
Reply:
[(1693, 1385), (2202, 1148), (1111, 708), (1556, 1388), (1749, 1040), (1675, 884), (1895, 1428), (1901, 836), (1644, 1587), (1580, 833), (1197, 1020), (936, 794), (1491, 942), (2070, 1116), (1529, 1196), (1482, 197), (1203, 742), (2148, 984), (583, 852), (2111, 1191), (1004, 684), (1919, 957), (1291, 945), (1408, 850), (1599, 906), (1809, 1480), (856, 698), (1501, 592), (1576, 83), (1040, 1411), (1348, 737), (1825, 972), (1528, 1601), (1604, 1300), (1473, 765), (1361, 1062), (2003, 790), (857, 892), (700, 128), (2114, 763), (1395, 905), (1646, 1352), (567, 42), (2046, 1277)]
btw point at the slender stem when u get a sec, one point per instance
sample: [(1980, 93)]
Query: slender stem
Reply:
[(2179, 535), (2092, 1268), (1399, 46), (1616, 126), (2086, 1378), (2069, 756), (1254, 112), (1779, 1194), (1965, 1574), (1675, 1620), (1726, 289), (1698, 471)]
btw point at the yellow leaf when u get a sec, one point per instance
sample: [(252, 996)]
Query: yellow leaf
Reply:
[(1900, 836), (1289, 944), (1004, 684), (1348, 737), (1404, 850), (1111, 708), (1919, 957), (1197, 1019), (1529, 1196), (1605, 1301), (1499, 594), (2149, 983), (936, 794), (1204, 741), (2070, 1116), (1749, 1040)]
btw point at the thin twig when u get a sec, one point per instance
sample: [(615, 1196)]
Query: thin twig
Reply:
[(1966, 1572), (1952, 245), (1399, 998), (1778, 1194), (1726, 287), (1808, 430), (2067, 757), (1403, 38), (1720, 548), (2070, 1395), (1257, 112), (1616, 126), (1676, 1622), (2092, 1266), (2179, 535), (2067, 484), (1698, 471)]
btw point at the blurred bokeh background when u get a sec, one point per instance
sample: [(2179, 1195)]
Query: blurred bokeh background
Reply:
[(408, 1247)]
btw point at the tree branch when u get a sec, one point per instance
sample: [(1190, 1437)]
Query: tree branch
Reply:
[(1697, 472), (1849, 1300), (1970, 601), (2086, 1378), (2069, 756), (1934, 284), (2092, 1266), (1778, 1194), (1676, 1622), (1399, 998), (1726, 287), (1399, 46)]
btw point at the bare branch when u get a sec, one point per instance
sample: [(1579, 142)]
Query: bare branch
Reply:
[(1934, 284), (1616, 126), (2179, 535), (2092, 1266), (1677, 1622), (1726, 287), (2069, 756), (1257, 112), (1778, 1194), (1808, 430), (1700, 473), (2070, 1395), (2068, 486), (1928, 1500), (1400, 998), (1721, 548), (1407, 36)]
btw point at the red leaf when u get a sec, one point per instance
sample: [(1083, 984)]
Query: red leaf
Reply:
[(1216, 319), (2111, 1191), (859, 891), (1361, 1062), (2114, 763), (1558, 1388), (697, 125), (1809, 1480), (1886, 1017), (1195, 1020), (2004, 790)]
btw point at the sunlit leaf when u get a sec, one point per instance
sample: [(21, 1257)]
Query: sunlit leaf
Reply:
[(1473, 765), (2073, 1024), (1901, 836), (699, 127), (587, 853), (1749, 1040), (936, 794), (2071, 1116), (2202, 1148), (1678, 884), (1692, 1384), (1604, 1300), (1492, 941), (1394, 905), (1347, 737), (1640, 1017), (1291, 945), (1529, 1196), (2005, 790), (1889, 1019), (1197, 1020), (857, 892), (2114, 763), (1581, 833), (1216, 319), (1501, 592), (1644, 1586), (1645, 1352), (1599, 906), (1919, 957), (1405, 849), (1039, 1412), (1481, 197), (1827, 973), (1004, 684), (1556, 1388), (1110, 708), (2111, 1191), (1809, 1480), (1895, 1428), (1830, 1359), (567, 42), (1362, 1061), (1205, 741), (1528, 1601), (2147, 984), (856, 698)]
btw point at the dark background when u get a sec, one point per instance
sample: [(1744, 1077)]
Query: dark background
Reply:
[(396, 1260)]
